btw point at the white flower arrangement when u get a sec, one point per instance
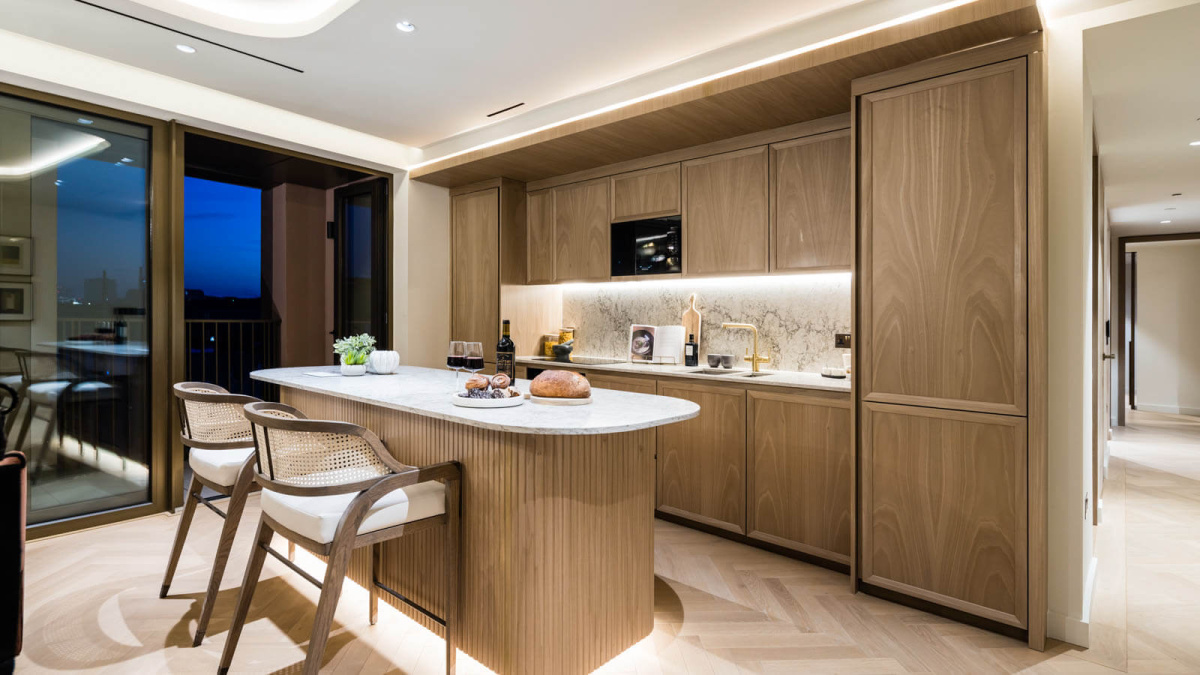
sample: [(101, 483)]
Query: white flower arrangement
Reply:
[(354, 349)]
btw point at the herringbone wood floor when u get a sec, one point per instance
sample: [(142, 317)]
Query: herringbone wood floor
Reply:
[(720, 607)]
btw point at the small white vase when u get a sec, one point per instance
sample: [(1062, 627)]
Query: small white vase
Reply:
[(384, 362), (350, 371)]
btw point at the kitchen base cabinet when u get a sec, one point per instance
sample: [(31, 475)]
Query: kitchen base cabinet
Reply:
[(944, 508), (799, 473), (635, 384), (702, 462)]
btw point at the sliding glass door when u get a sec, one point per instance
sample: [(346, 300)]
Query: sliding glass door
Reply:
[(74, 331)]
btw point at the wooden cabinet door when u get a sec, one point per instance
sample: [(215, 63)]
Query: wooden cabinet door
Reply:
[(942, 198), (638, 385), (702, 462), (581, 232), (800, 473), (725, 213), (539, 237), (943, 508), (475, 269), (811, 226), (649, 193)]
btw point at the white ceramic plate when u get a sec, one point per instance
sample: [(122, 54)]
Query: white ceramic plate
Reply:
[(545, 400), (509, 402)]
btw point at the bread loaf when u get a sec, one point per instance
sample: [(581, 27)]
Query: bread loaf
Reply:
[(560, 384)]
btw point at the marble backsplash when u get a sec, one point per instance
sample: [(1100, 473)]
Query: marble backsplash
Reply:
[(796, 315)]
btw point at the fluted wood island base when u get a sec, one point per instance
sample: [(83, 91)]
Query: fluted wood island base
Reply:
[(557, 527)]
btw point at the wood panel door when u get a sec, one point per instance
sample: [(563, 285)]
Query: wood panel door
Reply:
[(475, 269), (581, 232), (800, 473), (539, 237), (811, 225), (944, 508), (725, 213), (942, 203), (649, 193), (702, 462)]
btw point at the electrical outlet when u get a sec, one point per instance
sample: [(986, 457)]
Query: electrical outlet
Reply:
[(841, 340)]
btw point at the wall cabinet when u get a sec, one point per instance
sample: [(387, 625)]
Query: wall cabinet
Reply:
[(702, 462), (811, 226), (539, 233), (475, 269), (725, 213), (649, 193), (800, 472), (581, 232)]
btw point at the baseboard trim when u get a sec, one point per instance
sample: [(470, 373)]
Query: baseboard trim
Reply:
[(1169, 409), (1069, 629)]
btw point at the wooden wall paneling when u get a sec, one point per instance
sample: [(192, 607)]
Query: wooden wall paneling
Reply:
[(702, 462), (649, 193), (540, 251), (475, 269), (799, 473), (557, 557), (725, 213), (581, 232), (806, 86), (943, 279), (810, 203), (944, 508)]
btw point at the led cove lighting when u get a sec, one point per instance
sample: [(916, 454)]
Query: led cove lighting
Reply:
[(723, 283), (86, 145), (406, 26), (83, 121), (1194, 143), (929, 11), (186, 49), (1164, 222)]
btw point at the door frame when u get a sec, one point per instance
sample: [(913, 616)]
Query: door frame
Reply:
[(378, 187)]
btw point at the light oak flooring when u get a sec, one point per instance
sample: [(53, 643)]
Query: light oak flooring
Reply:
[(720, 607)]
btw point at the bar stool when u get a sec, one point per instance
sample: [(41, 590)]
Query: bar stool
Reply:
[(333, 487), (221, 456)]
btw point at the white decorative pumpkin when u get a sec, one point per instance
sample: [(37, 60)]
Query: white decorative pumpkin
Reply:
[(384, 362)]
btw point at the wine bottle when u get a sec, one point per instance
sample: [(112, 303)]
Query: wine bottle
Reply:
[(691, 352), (506, 353)]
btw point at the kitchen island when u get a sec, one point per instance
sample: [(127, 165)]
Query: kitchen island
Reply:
[(557, 557)]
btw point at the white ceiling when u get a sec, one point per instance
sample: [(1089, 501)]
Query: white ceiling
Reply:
[(465, 59), (1144, 74)]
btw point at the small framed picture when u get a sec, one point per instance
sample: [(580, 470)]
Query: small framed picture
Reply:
[(15, 256), (16, 302), (641, 343)]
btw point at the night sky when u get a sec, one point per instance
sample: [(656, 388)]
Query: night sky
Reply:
[(101, 224), (222, 238)]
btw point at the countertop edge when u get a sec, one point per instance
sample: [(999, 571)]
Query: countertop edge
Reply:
[(625, 368), (481, 424)]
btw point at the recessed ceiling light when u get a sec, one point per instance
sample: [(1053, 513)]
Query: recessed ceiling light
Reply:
[(81, 120), (1164, 222), (406, 26), (186, 49), (127, 160), (58, 182), (1194, 143)]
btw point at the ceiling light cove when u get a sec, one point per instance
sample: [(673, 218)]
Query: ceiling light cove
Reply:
[(260, 18), (406, 26), (67, 147)]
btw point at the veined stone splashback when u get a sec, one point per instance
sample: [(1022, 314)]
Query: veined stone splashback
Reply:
[(797, 315)]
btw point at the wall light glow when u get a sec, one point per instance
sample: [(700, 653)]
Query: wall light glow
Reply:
[(52, 157), (725, 283)]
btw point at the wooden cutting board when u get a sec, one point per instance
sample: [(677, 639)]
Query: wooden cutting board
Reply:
[(691, 320)]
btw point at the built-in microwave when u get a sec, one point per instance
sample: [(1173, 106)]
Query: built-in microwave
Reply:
[(650, 246)]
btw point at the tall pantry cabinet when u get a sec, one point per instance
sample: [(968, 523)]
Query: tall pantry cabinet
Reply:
[(950, 330)]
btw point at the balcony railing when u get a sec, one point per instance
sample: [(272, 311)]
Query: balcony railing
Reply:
[(224, 352)]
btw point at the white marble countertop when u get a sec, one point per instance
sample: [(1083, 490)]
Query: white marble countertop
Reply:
[(775, 378), (428, 392)]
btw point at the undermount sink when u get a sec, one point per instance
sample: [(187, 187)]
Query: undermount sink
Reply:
[(753, 374), (712, 371)]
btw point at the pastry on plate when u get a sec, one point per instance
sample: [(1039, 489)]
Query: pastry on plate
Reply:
[(478, 381)]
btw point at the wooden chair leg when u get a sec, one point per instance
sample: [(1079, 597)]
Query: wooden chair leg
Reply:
[(233, 515), (331, 590), (249, 581), (185, 523), (376, 554), (453, 529), (26, 423)]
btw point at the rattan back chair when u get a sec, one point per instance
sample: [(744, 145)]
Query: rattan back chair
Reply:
[(303, 463), (221, 444)]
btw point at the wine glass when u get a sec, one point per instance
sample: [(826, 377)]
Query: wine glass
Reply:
[(456, 359), (474, 357)]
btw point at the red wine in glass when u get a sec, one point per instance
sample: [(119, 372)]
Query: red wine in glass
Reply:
[(474, 363), (455, 361)]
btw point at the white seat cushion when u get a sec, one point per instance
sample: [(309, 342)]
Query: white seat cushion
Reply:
[(48, 392), (317, 518), (13, 381), (219, 466)]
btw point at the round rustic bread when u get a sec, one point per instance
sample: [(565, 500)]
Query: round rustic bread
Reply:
[(560, 384)]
